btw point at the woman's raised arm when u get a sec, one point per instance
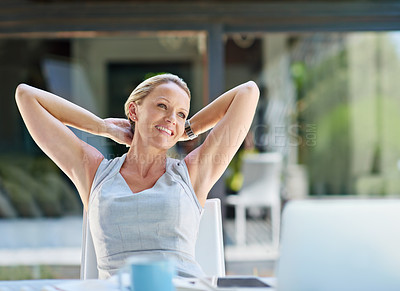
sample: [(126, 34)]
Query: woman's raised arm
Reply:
[(47, 116), (230, 116)]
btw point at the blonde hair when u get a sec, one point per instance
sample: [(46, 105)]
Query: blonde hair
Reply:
[(148, 85)]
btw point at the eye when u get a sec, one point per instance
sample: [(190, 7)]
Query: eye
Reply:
[(162, 105), (182, 115)]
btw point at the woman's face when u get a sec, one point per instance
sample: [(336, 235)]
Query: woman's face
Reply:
[(161, 115)]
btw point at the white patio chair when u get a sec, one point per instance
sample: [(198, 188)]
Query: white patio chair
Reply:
[(261, 189), (209, 246)]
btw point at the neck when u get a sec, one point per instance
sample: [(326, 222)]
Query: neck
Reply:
[(145, 160)]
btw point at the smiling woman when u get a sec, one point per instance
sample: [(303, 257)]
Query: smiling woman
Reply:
[(143, 202), (164, 109), (144, 88)]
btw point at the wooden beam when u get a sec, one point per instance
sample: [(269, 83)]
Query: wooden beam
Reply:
[(19, 17)]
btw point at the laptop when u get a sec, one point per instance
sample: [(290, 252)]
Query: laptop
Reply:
[(331, 245)]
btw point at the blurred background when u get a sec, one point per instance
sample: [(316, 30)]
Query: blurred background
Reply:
[(329, 107)]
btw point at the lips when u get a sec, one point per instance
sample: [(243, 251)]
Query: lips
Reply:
[(166, 130)]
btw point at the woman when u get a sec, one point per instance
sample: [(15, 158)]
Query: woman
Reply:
[(143, 202)]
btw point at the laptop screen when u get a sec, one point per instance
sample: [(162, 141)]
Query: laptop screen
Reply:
[(340, 245)]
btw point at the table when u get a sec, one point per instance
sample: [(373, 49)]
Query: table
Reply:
[(85, 285), (30, 285), (59, 285)]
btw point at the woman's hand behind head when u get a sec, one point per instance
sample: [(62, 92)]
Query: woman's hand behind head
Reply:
[(119, 130)]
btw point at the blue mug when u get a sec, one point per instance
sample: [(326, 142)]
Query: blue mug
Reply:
[(149, 274)]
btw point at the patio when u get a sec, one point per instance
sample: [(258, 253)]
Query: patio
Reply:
[(59, 251)]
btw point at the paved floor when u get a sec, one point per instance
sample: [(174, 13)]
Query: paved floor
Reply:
[(258, 231), (57, 242), (65, 232), (257, 257)]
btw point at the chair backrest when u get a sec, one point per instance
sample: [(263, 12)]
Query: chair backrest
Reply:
[(209, 246), (88, 259), (261, 174)]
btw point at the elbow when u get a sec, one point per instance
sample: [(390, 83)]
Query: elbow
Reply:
[(21, 91), (252, 89), (253, 86)]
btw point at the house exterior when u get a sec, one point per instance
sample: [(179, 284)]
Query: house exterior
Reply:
[(87, 51)]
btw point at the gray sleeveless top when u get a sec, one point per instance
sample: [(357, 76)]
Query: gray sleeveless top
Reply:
[(161, 221)]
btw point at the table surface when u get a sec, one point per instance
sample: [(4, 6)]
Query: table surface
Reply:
[(87, 285), (30, 285)]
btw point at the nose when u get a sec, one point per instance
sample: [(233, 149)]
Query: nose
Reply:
[(171, 118)]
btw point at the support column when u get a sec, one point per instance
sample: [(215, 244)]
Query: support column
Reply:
[(216, 86), (216, 61)]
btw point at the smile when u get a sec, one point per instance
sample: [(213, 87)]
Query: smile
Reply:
[(164, 129)]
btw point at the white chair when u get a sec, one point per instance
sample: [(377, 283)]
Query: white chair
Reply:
[(209, 246), (88, 259), (261, 189)]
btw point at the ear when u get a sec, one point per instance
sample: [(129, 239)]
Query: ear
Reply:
[(133, 111)]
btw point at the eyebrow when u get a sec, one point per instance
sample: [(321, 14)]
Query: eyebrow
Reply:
[(162, 97)]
